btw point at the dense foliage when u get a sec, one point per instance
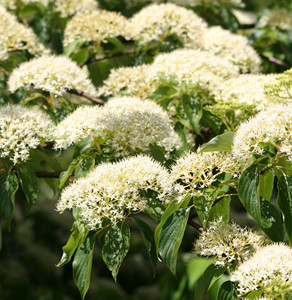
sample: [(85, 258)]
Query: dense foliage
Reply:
[(160, 132)]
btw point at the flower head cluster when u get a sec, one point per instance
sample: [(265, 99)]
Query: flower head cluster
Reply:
[(278, 289), (195, 172), (229, 243), (131, 81), (277, 17), (113, 190), (248, 89), (157, 21), (273, 261), (22, 129), (55, 74), (272, 125), (16, 36), (95, 26), (232, 47), (129, 125), (71, 7)]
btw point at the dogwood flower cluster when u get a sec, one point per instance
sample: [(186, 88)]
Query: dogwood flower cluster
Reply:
[(157, 21), (272, 125), (199, 68), (95, 26), (69, 8), (248, 89), (194, 172), (15, 36), (273, 261), (277, 17), (229, 243), (55, 74), (13, 4), (128, 125), (22, 129), (232, 47), (113, 190)]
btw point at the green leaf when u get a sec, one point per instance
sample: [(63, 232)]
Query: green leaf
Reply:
[(85, 165), (120, 48), (81, 56), (79, 233), (196, 268), (267, 184), (148, 237), (265, 214), (8, 188), (171, 236), (171, 208), (255, 294), (227, 291), (154, 208), (82, 265), (203, 205), (192, 105), (221, 209), (221, 142), (285, 202), (29, 184), (116, 246), (73, 46)]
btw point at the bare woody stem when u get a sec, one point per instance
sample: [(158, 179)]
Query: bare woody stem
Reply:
[(275, 61), (195, 225), (91, 98)]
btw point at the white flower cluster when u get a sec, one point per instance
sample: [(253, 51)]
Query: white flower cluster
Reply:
[(199, 68), (248, 89), (277, 17), (232, 47), (22, 129), (273, 125), (70, 7), (95, 26), (194, 172), (113, 190), (273, 261), (129, 125), (55, 74), (156, 22), (229, 243), (15, 36)]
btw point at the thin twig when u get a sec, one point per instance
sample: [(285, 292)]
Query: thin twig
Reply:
[(195, 225), (91, 98), (275, 61)]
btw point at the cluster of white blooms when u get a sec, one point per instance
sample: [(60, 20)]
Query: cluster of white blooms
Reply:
[(194, 172), (55, 74), (129, 125), (199, 68), (273, 125), (13, 4), (156, 22), (113, 190), (15, 36), (71, 7), (130, 81), (22, 129), (95, 26), (277, 17), (273, 261), (248, 89), (232, 47), (229, 243)]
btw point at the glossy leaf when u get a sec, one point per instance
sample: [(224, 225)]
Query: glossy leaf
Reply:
[(82, 265), (29, 184), (227, 291), (85, 165), (221, 142), (116, 246), (267, 184)]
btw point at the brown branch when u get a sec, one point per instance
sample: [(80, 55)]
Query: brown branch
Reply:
[(91, 98), (47, 145), (195, 225), (275, 61), (92, 60)]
